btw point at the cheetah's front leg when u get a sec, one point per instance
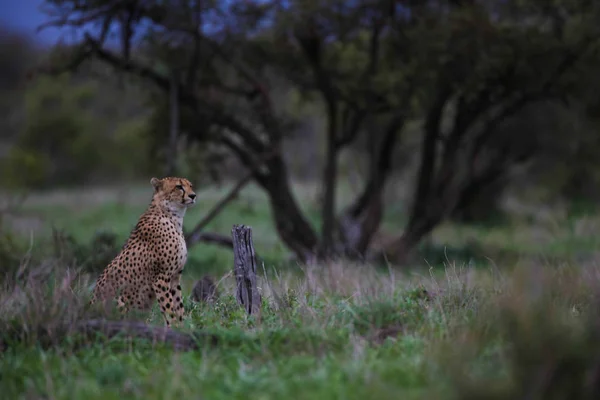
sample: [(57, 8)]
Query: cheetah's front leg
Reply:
[(122, 306), (161, 287), (177, 297)]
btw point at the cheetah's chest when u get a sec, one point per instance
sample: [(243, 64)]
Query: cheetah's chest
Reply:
[(182, 251), (177, 251), (173, 250)]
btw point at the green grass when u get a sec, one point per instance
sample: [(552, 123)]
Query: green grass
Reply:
[(573, 234), (462, 330), (98, 374), (339, 332), (82, 219)]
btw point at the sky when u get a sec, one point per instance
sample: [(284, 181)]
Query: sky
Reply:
[(25, 16)]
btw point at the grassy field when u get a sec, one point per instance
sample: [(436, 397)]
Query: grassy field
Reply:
[(497, 312)]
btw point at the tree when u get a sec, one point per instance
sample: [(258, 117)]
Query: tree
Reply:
[(338, 51), (500, 58), (227, 87), (463, 67)]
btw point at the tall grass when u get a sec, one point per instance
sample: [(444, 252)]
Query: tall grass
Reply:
[(464, 333), (522, 330)]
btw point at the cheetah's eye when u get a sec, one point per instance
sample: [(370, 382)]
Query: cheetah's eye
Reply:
[(179, 187)]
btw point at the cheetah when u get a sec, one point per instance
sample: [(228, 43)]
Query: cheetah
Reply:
[(150, 264)]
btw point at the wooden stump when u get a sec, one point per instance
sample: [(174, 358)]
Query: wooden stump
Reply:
[(244, 261)]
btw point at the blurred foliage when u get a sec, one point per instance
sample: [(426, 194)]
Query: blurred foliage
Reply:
[(22, 168), (92, 257), (61, 131), (191, 156), (10, 253), (89, 124), (535, 339), (73, 132), (129, 155), (17, 53), (268, 72)]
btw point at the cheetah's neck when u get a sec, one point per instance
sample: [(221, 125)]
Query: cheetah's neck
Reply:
[(174, 213)]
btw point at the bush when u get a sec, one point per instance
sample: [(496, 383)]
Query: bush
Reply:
[(59, 142), (75, 128), (533, 336), (24, 168)]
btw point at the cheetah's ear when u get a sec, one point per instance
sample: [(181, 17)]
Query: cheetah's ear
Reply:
[(155, 182)]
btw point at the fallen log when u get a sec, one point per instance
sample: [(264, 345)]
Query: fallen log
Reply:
[(88, 332)]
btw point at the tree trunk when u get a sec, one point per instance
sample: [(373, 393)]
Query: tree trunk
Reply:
[(426, 173), (329, 187), (399, 250), (174, 126), (427, 209), (361, 220), (357, 231), (293, 228)]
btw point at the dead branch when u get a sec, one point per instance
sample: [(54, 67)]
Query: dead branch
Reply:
[(193, 236), (214, 238), (138, 330)]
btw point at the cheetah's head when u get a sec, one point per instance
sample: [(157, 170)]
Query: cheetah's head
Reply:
[(177, 193)]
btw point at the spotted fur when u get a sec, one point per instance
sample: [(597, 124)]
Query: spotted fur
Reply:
[(150, 264)]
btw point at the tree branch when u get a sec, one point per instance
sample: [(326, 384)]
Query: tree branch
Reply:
[(191, 238), (312, 47), (354, 116), (490, 112), (216, 115), (247, 159), (426, 173), (360, 221), (380, 167), (214, 238), (140, 70), (195, 56), (81, 54), (89, 15), (350, 126)]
